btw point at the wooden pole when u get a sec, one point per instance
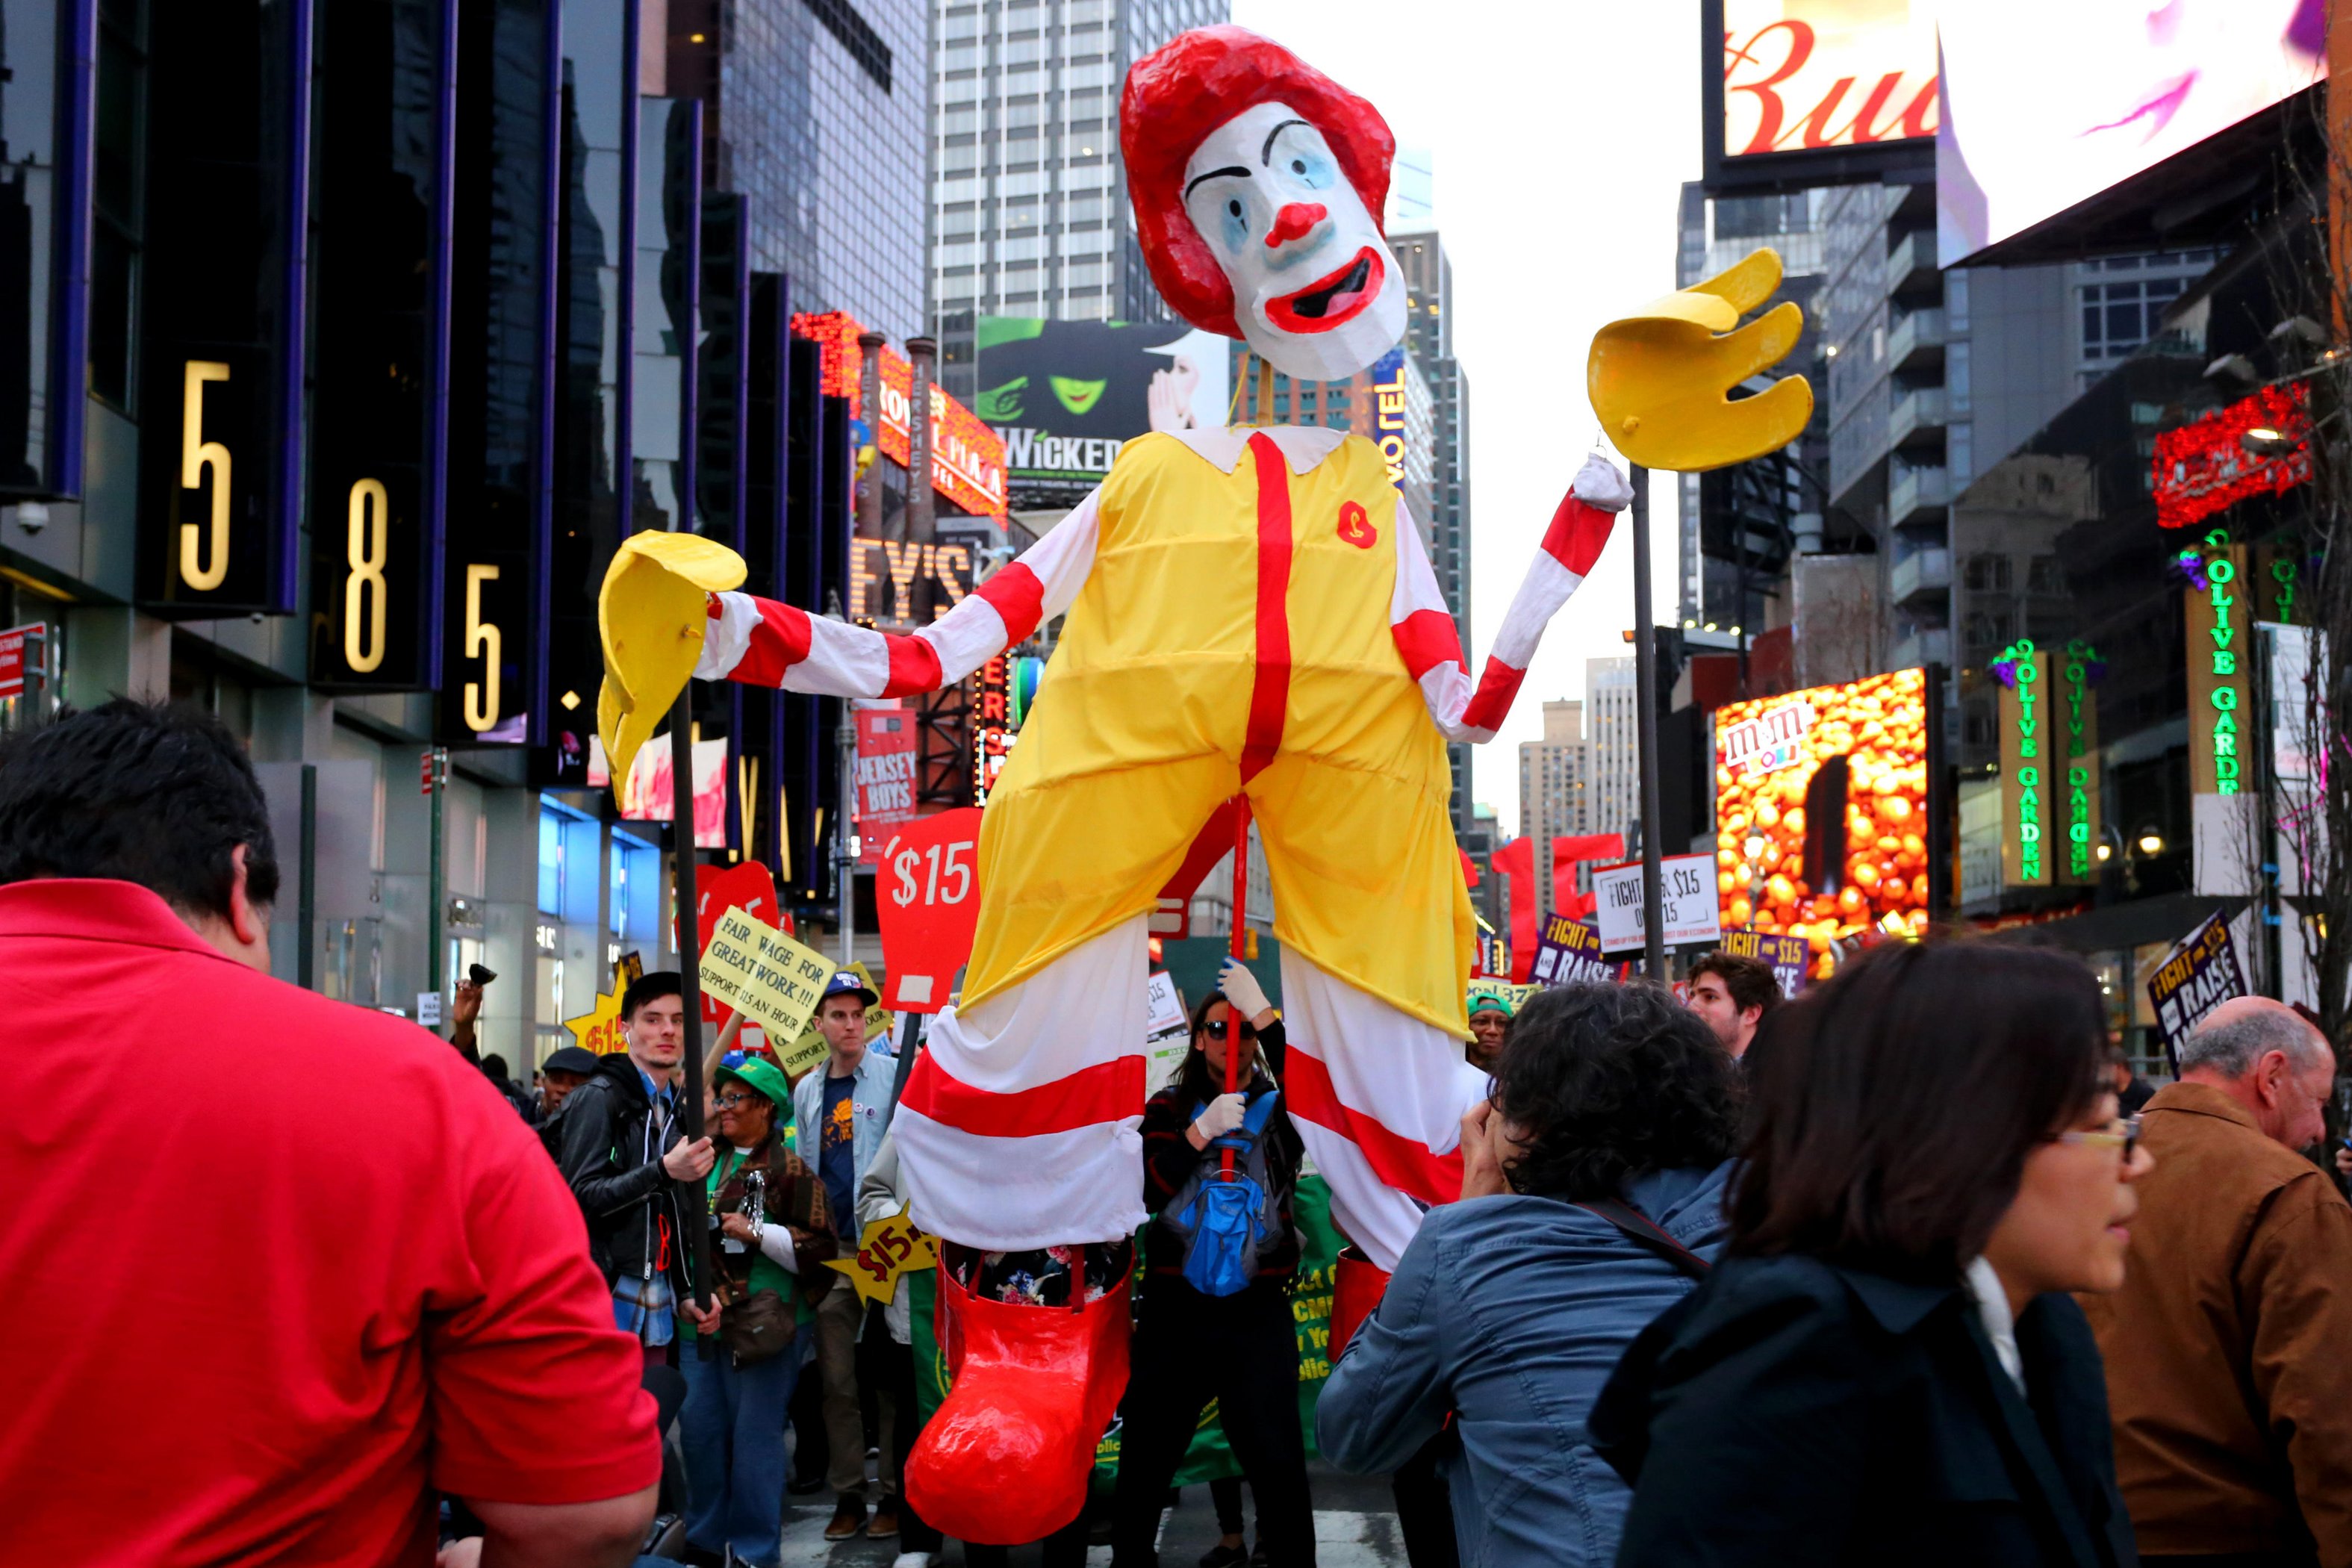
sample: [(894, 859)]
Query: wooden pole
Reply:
[(689, 964), (1240, 946)]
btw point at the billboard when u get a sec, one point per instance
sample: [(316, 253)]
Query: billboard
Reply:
[(1815, 92), (2046, 106), (1065, 395), (1820, 809), (967, 457)]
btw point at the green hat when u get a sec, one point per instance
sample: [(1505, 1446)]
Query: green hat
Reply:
[(1490, 1002), (764, 1077)]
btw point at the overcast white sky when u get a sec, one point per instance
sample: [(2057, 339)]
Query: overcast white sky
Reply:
[(1562, 132)]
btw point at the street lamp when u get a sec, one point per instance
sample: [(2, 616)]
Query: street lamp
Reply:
[(2261, 441)]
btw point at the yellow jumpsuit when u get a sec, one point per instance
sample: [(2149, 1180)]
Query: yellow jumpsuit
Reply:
[(1234, 624)]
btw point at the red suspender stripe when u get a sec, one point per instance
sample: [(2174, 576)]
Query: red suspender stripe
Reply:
[(1018, 598), (1426, 638), (914, 666), (780, 641), (1108, 1091), (1270, 690), (1578, 531), (1397, 1159), (1492, 701)]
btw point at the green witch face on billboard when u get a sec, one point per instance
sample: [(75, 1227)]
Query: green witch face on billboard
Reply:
[(1067, 393)]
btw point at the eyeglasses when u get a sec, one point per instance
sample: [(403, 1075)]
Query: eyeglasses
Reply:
[(2123, 1133), (731, 1101), (1218, 1031)]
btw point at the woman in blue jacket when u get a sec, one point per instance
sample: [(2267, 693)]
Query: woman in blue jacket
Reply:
[(1593, 1196)]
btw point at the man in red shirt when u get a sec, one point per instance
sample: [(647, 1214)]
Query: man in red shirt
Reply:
[(279, 1269)]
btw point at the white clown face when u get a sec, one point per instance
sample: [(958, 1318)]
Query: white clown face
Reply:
[(1315, 291)]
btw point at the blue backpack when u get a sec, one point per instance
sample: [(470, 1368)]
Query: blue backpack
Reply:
[(1224, 1222)]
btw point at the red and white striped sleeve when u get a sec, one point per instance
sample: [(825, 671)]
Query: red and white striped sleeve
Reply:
[(1425, 634), (759, 642)]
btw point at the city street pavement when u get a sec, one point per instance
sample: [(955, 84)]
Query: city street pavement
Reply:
[(1355, 1527)]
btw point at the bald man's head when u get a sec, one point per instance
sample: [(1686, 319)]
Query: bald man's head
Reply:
[(2266, 1057)]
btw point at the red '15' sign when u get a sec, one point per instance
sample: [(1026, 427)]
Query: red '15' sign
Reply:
[(926, 890)]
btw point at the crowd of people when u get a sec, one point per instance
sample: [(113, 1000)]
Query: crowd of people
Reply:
[(1884, 1273)]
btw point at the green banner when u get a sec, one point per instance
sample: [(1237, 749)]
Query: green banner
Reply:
[(1209, 1458)]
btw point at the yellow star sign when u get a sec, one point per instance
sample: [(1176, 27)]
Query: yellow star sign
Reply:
[(599, 1031), (885, 1249)]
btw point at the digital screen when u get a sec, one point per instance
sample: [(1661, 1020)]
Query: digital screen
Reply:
[(2045, 106), (1809, 75), (1820, 800)]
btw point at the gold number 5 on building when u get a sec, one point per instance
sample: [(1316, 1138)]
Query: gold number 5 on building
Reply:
[(482, 638), (196, 455)]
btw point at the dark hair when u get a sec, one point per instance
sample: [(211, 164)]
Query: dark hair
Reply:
[(1750, 981), (156, 793), (1192, 1074), (496, 1066), (1893, 1106), (1607, 1081), (650, 987)]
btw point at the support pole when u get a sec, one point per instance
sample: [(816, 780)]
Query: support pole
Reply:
[(845, 863), (689, 964), (436, 893), (1240, 946), (1646, 728)]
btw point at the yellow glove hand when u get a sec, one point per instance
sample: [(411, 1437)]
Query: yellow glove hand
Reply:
[(1658, 378), (650, 615)]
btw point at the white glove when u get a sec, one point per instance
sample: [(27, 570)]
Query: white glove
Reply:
[(1222, 1115), (1598, 484), (1241, 989)]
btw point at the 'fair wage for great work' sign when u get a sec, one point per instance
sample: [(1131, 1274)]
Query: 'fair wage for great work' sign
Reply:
[(756, 969)]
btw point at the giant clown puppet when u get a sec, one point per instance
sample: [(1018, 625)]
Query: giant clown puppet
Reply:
[(1245, 610)]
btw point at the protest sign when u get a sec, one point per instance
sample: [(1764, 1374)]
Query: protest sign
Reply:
[(1517, 996), (749, 887), (756, 969), (927, 896), (2195, 977), (1788, 955), (887, 1249), (887, 739), (1688, 905), (1569, 953)]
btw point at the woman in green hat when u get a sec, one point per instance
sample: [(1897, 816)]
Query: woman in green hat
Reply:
[(772, 1232), (1490, 1026)]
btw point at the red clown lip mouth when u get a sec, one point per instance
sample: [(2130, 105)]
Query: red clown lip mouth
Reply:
[(1332, 301)]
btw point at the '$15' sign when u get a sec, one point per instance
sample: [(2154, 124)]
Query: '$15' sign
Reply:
[(929, 907), (887, 1249)]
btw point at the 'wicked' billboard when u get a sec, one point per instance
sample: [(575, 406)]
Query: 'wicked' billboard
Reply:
[(1064, 395)]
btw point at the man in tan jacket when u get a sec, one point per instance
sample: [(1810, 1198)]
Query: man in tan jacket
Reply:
[(2229, 1349)]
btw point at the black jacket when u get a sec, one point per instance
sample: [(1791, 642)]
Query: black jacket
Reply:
[(1793, 1411), (606, 1148)]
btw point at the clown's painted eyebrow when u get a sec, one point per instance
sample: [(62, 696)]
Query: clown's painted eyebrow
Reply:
[(1266, 155), (1215, 175)]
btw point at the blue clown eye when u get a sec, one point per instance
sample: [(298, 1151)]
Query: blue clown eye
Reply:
[(1313, 170), (1236, 225)]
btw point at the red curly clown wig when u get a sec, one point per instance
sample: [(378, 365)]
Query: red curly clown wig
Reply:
[(1187, 87)]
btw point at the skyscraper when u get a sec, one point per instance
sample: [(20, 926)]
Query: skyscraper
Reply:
[(1029, 204), (1555, 788), (819, 121), (1429, 339), (1613, 747)]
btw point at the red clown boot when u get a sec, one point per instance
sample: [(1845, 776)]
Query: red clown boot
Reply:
[(1006, 1457)]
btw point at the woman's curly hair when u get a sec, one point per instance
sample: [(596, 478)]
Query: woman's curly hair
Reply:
[(1605, 1081)]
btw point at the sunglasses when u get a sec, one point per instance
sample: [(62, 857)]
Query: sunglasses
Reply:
[(1220, 1029), (2123, 1134)]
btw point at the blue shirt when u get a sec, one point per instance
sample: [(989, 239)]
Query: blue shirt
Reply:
[(1512, 1311), (837, 1161)]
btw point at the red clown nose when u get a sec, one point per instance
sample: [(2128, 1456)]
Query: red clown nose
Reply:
[(1292, 222)]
